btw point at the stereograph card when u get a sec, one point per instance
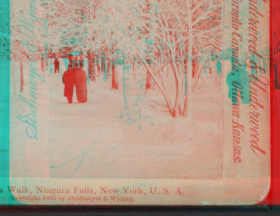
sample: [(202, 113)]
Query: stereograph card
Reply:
[(139, 102)]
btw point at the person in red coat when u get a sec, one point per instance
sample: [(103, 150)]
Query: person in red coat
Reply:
[(69, 81), (56, 65), (81, 83)]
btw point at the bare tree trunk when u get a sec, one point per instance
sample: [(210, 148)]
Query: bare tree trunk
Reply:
[(182, 93), (115, 84), (91, 66), (98, 63), (148, 80), (177, 98), (164, 93), (108, 68), (42, 65), (199, 69), (104, 67), (187, 104)]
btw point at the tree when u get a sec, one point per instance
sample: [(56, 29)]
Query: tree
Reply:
[(28, 34), (175, 34), (179, 32)]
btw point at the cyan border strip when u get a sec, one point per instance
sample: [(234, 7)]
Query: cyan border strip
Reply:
[(5, 197)]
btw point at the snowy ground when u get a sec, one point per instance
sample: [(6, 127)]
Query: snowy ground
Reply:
[(92, 141), (96, 140)]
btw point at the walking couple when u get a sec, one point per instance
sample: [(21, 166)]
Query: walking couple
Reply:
[(75, 76)]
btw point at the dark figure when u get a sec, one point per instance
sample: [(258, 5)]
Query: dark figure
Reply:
[(56, 65), (81, 83), (219, 67), (69, 80), (218, 78)]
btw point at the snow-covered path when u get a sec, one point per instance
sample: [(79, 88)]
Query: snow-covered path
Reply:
[(92, 141)]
